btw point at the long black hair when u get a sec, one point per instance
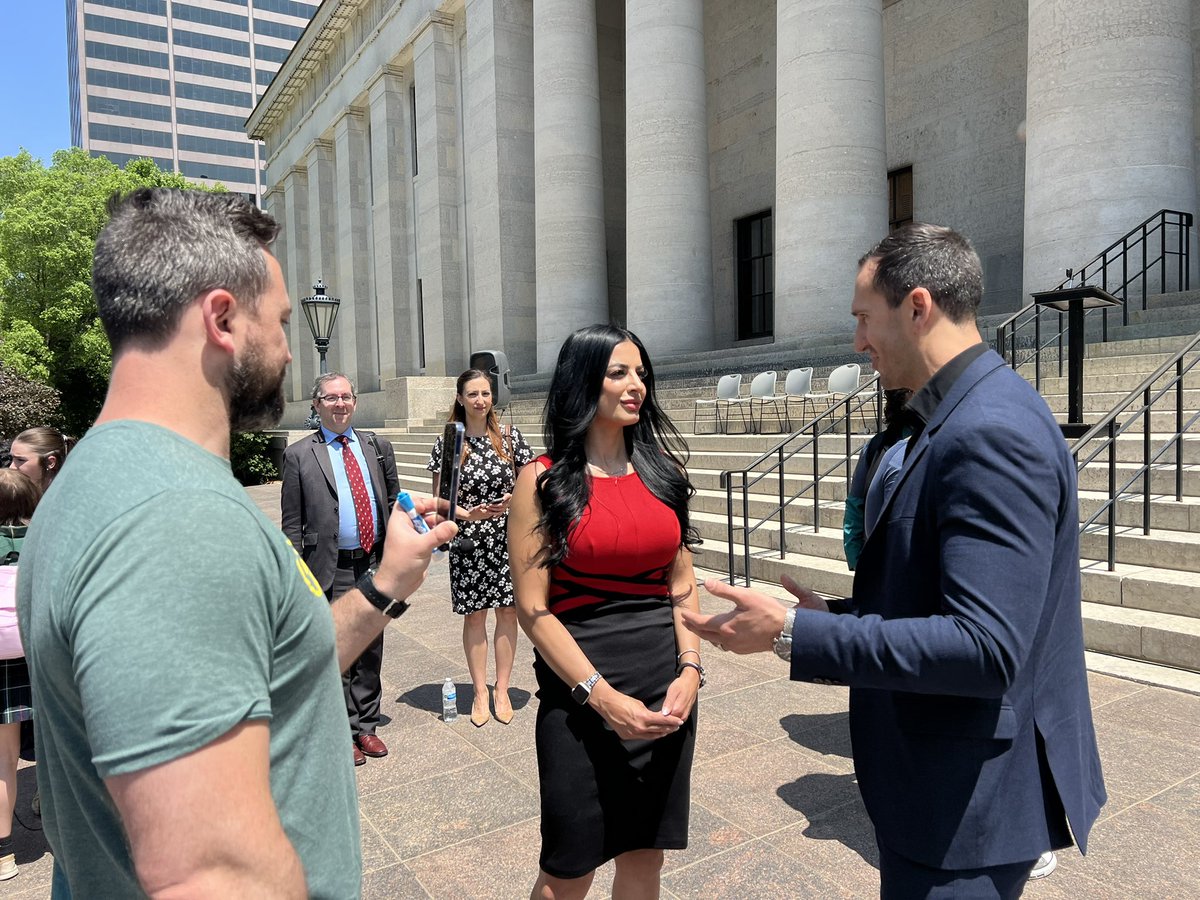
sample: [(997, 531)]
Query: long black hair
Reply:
[(655, 447)]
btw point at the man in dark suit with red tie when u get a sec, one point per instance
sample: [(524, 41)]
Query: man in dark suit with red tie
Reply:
[(338, 487)]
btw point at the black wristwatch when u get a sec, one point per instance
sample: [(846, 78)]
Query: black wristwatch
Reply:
[(389, 606), (583, 691)]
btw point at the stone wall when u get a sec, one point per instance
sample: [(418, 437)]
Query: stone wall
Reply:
[(954, 72), (740, 55)]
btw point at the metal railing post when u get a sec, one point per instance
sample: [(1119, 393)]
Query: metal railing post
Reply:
[(1112, 498), (1146, 464), (745, 529), (782, 523), (1037, 347), (1179, 430), (1145, 265), (816, 479), (728, 484)]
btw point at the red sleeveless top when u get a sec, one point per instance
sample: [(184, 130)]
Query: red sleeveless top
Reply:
[(623, 546)]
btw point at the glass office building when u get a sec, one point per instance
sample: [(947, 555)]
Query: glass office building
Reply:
[(175, 81)]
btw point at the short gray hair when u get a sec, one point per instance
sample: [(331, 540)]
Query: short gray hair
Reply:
[(322, 380), (164, 247)]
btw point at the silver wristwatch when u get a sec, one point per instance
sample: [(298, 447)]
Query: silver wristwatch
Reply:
[(582, 692), (783, 643)]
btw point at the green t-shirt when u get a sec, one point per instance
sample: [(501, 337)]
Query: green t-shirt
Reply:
[(160, 608)]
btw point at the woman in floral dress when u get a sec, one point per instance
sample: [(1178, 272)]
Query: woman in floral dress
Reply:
[(479, 574)]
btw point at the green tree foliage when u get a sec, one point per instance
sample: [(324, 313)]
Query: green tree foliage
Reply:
[(250, 457), (49, 220)]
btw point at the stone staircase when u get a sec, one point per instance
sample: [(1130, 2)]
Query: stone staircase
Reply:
[(1141, 620)]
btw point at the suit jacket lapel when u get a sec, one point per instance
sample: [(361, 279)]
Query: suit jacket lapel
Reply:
[(975, 373), (321, 453)]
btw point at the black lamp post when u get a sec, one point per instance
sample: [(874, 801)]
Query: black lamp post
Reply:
[(1075, 301), (321, 312)]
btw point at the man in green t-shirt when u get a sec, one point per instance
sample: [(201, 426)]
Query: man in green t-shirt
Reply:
[(185, 664)]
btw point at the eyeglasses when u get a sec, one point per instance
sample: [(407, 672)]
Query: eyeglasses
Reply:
[(334, 398)]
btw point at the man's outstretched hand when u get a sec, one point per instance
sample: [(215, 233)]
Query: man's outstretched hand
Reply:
[(755, 620)]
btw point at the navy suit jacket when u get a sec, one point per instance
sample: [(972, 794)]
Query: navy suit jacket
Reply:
[(308, 499), (969, 711)]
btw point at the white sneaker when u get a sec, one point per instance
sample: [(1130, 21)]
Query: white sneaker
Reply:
[(1046, 863), (8, 867)]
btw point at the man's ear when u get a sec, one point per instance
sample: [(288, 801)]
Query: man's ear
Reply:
[(924, 310), (218, 309)]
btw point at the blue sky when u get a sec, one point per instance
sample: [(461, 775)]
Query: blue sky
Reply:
[(34, 112)]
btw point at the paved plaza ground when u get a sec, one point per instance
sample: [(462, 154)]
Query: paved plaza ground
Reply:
[(452, 812)]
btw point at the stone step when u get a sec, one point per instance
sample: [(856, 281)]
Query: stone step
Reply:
[(1141, 363), (1094, 477), (1165, 511), (1099, 402), (822, 574), (1161, 549), (1169, 344), (1119, 383), (1143, 635), (1174, 593), (1161, 421), (1178, 551), (1137, 671)]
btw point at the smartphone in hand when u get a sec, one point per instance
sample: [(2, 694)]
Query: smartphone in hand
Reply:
[(452, 447)]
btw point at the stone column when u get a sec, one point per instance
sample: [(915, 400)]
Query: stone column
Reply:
[(295, 227), (322, 237), (438, 189), (830, 164), (498, 137), (275, 204), (355, 332), (572, 274), (391, 179), (1109, 126), (668, 241)]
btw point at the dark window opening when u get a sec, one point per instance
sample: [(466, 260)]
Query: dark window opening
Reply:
[(900, 198), (420, 325), (755, 277), (412, 117)]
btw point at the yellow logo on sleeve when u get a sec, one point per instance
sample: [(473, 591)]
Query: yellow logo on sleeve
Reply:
[(306, 574)]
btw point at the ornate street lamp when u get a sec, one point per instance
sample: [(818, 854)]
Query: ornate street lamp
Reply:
[(321, 312)]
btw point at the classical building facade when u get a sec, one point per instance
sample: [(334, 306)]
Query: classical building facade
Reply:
[(491, 174)]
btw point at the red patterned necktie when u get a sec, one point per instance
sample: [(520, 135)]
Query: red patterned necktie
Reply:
[(358, 490)]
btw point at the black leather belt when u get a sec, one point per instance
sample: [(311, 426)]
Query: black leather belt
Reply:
[(346, 556)]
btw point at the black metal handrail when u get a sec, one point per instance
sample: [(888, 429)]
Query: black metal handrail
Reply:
[(838, 416), (1172, 228), (1103, 436)]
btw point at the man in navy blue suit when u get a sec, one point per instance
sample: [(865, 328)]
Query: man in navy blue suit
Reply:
[(963, 641)]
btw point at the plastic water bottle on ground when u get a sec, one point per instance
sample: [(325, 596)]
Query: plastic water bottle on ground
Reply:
[(449, 702)]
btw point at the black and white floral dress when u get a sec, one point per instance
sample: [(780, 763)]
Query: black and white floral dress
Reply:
[(480, 578)]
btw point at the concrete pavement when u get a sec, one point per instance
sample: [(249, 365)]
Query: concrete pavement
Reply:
[(452, 811)]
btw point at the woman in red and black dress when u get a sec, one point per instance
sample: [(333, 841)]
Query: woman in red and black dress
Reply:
[(598, 543)]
